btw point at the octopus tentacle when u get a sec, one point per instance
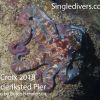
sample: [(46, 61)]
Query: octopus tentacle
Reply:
[(19, 46), (16, 47), (19, 66), (65, 75), (47, 78)]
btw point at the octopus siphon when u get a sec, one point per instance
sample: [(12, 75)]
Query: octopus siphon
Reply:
[(58, 47)]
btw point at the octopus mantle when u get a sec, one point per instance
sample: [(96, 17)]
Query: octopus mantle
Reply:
[(58, 47)]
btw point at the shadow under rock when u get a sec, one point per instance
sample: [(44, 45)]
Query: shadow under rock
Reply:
[(89, 73)]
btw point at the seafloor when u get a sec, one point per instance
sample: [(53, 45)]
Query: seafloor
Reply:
[(87, 87)]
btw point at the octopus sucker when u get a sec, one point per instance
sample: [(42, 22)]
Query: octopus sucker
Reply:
[(59, 47)]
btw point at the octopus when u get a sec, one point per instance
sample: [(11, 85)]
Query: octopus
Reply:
[(58, 49)]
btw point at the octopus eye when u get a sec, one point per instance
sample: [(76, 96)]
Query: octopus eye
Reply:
[(31, 18)]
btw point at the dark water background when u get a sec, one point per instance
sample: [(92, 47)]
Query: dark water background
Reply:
[(90, 72)]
